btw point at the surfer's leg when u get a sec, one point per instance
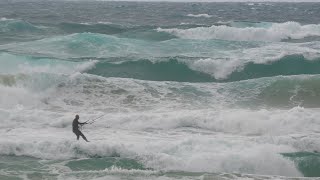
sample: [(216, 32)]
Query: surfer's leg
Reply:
[(77, 134), (80, 133)]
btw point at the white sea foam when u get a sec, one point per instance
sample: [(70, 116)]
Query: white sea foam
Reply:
[(27, 65), (86, 23), (104, 22), (3, 19), (199, 15), (86, 66), (167, 151), (16, 96), (277, 32), (100, 22), (162, 138), (221, 66), (243, 122)]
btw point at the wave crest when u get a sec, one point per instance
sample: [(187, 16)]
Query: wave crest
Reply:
[(199, 15), (276, 32)]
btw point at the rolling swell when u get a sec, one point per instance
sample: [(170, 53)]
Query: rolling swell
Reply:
[(12, 30), (179, 70), (15, 26)]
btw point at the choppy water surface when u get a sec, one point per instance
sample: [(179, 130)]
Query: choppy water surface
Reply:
[(188, 90)]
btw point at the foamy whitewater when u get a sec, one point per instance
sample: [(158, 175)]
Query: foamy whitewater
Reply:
[(186, 90)]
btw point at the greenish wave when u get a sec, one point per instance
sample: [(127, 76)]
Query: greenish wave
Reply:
[(291, 91), (171, 70), (15, 26), (179, 69), (288, 65), (38, 74), (95, 45), (14, 30), (96, 164), (307, 162), (23, 167), (16, 167)]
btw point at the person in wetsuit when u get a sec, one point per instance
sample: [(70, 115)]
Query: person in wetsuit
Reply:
[(75, 128)]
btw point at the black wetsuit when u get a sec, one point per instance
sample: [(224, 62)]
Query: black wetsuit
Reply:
[(75, 129)]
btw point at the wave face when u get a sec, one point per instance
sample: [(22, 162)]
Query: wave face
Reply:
[(171, 70), (171, 87), (182, 70), (307, 162)]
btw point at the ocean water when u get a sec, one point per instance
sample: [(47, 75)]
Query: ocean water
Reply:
[(187, 90)]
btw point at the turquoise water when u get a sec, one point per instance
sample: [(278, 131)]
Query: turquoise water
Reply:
[(307, 162), (187, 90)]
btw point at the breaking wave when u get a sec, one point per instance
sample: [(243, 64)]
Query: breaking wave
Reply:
[(276, 32)]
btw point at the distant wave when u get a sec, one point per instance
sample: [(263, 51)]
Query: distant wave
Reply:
[(4, 19), (103, 28), (199, 15), (276, 32), (17, 26), (96, 45), (108, 28)]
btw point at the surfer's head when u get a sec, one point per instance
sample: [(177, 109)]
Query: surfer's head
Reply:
[(77, 116)]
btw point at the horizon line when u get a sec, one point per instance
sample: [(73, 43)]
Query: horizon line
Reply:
[(186, 1)]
